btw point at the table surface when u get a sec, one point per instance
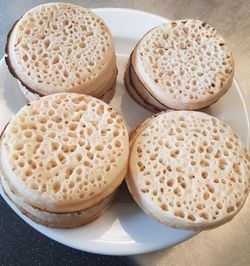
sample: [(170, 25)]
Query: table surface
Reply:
[(226, 245)]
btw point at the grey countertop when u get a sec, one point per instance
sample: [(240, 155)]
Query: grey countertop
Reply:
[(227, 245)]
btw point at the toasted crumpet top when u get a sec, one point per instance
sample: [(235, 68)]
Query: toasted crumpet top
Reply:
[(65, 152), (56, 47), (185, 63), (188, 170)]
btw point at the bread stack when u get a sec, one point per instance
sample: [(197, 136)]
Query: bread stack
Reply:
[(62, 159), (182, 65), (60, 47), (188, 170)]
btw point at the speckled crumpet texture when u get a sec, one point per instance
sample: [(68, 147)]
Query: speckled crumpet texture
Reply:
[(59, 47), (184, 65), (69, 157), (188, 170)]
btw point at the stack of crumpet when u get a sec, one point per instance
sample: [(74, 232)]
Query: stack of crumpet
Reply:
[(62, 165), (188, 170), (181, 65), (60, 47)]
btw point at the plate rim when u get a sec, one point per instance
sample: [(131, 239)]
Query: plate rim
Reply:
[(129, 10)]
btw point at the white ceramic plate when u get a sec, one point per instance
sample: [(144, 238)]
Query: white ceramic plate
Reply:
[(124, 229)]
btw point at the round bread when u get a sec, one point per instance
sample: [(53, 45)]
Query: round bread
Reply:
[(60, 47), (64, 153), (184, 65), (188, 170)]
